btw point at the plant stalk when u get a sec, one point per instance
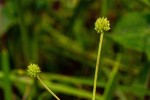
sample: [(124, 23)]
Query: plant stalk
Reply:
[(50, 91), (97, 65)]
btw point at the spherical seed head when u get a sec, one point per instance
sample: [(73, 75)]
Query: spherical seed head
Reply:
[(33, 70), (102, 24)]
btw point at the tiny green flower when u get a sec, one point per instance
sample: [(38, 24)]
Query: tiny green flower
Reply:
[(33, 70), (102, 24)]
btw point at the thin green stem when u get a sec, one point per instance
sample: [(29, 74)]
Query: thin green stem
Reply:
[(50, 91), (97, 65)]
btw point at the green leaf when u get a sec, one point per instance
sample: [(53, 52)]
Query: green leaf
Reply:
[(69, 90), (111, 84), (133, 31)]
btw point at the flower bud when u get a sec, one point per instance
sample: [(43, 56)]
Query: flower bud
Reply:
[(33, 70), (102, 24)]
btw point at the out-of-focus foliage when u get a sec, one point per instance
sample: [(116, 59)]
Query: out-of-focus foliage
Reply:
[(132, 31), (59, 36)]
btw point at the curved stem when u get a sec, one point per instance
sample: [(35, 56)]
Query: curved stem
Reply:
[(97, 65), (50, 91)]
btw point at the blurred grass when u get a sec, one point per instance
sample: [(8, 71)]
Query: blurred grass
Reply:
[(6, 72), (23, 30), (59, 36), (110, 86)]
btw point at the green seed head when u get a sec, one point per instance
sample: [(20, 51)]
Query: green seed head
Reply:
[(33, 70), (102, 24)]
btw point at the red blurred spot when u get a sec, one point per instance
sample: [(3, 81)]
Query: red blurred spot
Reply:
[(56, 5)]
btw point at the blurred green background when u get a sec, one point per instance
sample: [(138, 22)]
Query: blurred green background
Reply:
[(59, 36)]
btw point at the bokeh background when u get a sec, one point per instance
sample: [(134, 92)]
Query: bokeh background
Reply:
[(59, 36)]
